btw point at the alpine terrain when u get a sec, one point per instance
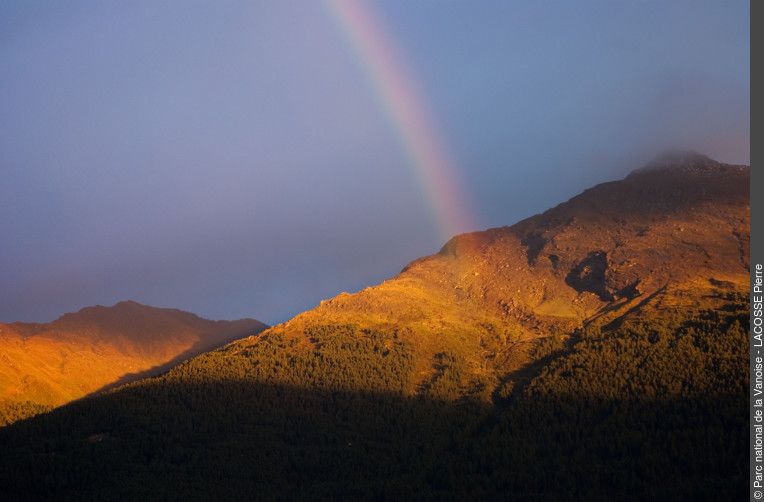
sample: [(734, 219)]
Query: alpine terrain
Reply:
[(597, 351)]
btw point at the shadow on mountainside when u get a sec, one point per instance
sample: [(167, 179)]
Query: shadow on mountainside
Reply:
[(238, 440)]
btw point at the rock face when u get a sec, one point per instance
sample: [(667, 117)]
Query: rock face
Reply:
[(672, 235), (83, 352)]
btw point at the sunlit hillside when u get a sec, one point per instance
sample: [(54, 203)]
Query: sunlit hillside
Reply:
[(670, 236), (46, 365)]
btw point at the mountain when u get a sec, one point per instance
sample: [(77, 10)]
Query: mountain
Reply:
[(671, 235), (97, 347), (597, 351)]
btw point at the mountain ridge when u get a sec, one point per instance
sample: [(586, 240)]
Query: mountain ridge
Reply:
[(83, 352), (666, 237)]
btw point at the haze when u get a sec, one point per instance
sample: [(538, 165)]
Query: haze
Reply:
[(237, 159)]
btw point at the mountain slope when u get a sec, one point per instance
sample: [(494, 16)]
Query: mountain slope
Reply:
[(671, 235), (80, 353)]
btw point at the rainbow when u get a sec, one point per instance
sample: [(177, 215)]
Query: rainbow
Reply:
[(395, 86)]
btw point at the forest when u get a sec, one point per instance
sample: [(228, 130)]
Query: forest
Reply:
[(649, 410)]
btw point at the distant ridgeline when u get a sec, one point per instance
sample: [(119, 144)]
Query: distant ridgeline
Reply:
[(596, 352), (47, 365)]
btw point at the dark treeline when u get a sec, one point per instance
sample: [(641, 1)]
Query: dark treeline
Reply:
[(653, 411)]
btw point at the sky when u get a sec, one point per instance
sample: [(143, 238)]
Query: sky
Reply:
[(252, 158)]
